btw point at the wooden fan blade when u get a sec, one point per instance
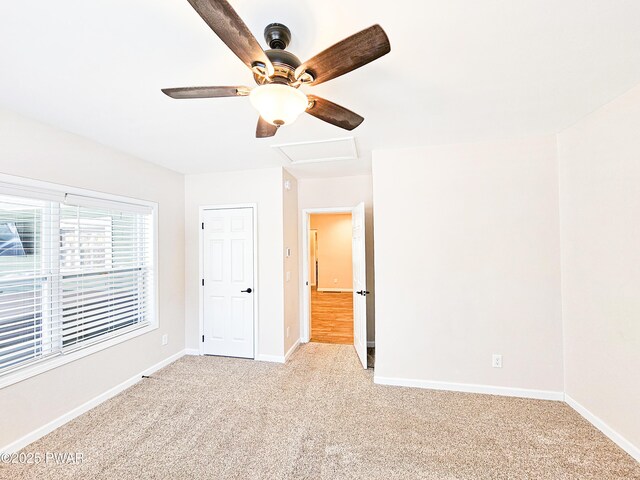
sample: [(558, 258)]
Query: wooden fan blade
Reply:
[(333, 113), (206, 92), (343, 57), (265, 129), (228, 25)]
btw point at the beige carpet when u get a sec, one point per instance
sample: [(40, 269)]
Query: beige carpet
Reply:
[(320, 417)]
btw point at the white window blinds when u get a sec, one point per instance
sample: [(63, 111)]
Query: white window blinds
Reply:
[(26, 317), (72, 273), (105, 269)]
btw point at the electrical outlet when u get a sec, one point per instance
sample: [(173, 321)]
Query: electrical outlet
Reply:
[(287, 332), (335, 280), (165, 339), (288, 276), (496, 361)]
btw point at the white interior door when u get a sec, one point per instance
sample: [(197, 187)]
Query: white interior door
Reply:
[(228, 290), (358, 254)]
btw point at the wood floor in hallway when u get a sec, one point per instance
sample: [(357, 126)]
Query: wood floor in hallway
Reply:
[(331, 317)]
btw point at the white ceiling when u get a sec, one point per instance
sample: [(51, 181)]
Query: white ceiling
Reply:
[(458, 71)]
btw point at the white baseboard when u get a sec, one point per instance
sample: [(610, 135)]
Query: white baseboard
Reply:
[(85, 407), (335, 290), (270, 358), (470, 388), (291, 350), (622, 442), (618, 439), (371, 344)]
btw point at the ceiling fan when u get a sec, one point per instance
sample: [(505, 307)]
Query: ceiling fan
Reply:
[(279, 73)]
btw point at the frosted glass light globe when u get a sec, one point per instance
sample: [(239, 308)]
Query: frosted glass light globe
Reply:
[(278, 104)]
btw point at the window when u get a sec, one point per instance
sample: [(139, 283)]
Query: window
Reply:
[(23, 276), (75, 270)]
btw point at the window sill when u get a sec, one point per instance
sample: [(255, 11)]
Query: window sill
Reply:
[(47, 364)]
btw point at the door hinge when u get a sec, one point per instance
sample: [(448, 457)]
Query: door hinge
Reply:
[(202, 225), (203, 282), (203, 338)]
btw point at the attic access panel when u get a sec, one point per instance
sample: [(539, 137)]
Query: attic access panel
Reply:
[(335, 149)]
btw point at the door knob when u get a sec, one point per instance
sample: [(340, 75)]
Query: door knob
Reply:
[(363, 292), (248, 290)]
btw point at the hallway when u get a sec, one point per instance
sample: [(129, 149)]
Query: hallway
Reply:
[(331, 317)]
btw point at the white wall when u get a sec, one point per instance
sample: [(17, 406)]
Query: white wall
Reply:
[(335, 238), (467, 264), (291, 264), (31, 149), (345, 192), (264, 188), (600, 233)]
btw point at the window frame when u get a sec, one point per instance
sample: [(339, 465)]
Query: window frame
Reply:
[(36, 189)]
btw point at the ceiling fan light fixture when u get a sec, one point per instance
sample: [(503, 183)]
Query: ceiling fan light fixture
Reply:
[(278, 104)]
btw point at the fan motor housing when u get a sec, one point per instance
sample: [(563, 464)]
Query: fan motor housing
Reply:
[(284, 58), (285, 63)]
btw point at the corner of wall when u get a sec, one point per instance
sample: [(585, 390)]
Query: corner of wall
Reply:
[(291, 286)]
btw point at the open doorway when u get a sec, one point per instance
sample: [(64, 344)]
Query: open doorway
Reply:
[(331, 278), (334, 306)]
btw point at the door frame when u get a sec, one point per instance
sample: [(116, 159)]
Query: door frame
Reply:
[(201, 209), (305, 305)]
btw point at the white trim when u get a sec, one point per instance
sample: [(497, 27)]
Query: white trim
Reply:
[(335, 290), (192, 351), (91, 201), (371, 344), (305, 304), (256, 322), (30, 183), (94, 402), (470, 388), (293, 348), (270, 358), (597, 422)]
